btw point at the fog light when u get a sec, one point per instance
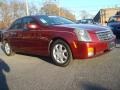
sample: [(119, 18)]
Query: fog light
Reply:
[(90, 52)]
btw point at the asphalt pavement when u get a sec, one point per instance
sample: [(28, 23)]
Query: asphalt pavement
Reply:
[(25, 72)]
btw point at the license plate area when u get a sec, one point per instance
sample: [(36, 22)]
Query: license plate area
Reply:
[(111, 45)]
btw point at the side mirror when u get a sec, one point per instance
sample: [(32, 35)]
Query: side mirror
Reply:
[(31, 27)]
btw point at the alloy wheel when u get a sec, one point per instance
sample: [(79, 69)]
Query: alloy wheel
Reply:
[(60, 53)]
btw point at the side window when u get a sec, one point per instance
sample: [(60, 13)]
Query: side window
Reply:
[(17, 24), (28, 21)]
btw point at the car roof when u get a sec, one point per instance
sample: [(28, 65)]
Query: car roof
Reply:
[(34, 16), (40, 15)]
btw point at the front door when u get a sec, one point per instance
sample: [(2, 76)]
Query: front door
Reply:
[(30, 38)]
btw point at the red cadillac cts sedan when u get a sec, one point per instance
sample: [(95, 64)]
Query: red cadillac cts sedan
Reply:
[(57, 37)]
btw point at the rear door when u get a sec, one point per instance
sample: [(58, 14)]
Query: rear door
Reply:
[(14, 34)]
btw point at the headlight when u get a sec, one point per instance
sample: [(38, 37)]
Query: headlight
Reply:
[(82, 35)]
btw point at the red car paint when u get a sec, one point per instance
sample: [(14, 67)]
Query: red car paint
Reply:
[(38, 40)]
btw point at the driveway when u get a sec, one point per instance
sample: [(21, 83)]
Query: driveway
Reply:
[(23, 72)]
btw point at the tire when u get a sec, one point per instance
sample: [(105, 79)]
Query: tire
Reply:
[(7, 49), (61, 53)]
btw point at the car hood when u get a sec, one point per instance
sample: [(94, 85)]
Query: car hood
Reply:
[(85, 27)]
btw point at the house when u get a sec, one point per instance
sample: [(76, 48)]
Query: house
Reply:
[(104, 14)]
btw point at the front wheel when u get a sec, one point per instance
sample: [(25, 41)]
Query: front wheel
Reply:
[(61, 53), (7, 49)]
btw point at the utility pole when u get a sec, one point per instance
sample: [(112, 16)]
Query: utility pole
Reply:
[(27, 7), (59, 7)]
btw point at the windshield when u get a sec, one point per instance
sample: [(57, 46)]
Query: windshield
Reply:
[(54, 20), (114, 19), (85, 21)]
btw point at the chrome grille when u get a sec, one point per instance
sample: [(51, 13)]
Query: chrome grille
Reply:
[(105, 35)]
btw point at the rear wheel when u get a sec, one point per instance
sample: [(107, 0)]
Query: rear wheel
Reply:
[(7, 49), (61, 53)]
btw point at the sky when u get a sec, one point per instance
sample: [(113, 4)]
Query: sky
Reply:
[(91, 6)]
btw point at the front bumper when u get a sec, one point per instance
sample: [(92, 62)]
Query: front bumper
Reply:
[(91, 49)]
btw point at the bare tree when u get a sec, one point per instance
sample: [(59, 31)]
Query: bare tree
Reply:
[(50, 9), (9, 11), (33, 9), (53, 9), (18, 8), (13, 9), (5, 15)]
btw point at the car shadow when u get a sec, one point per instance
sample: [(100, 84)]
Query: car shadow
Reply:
[(89, 86), (3, 68), (44, 58), (47, 59)]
